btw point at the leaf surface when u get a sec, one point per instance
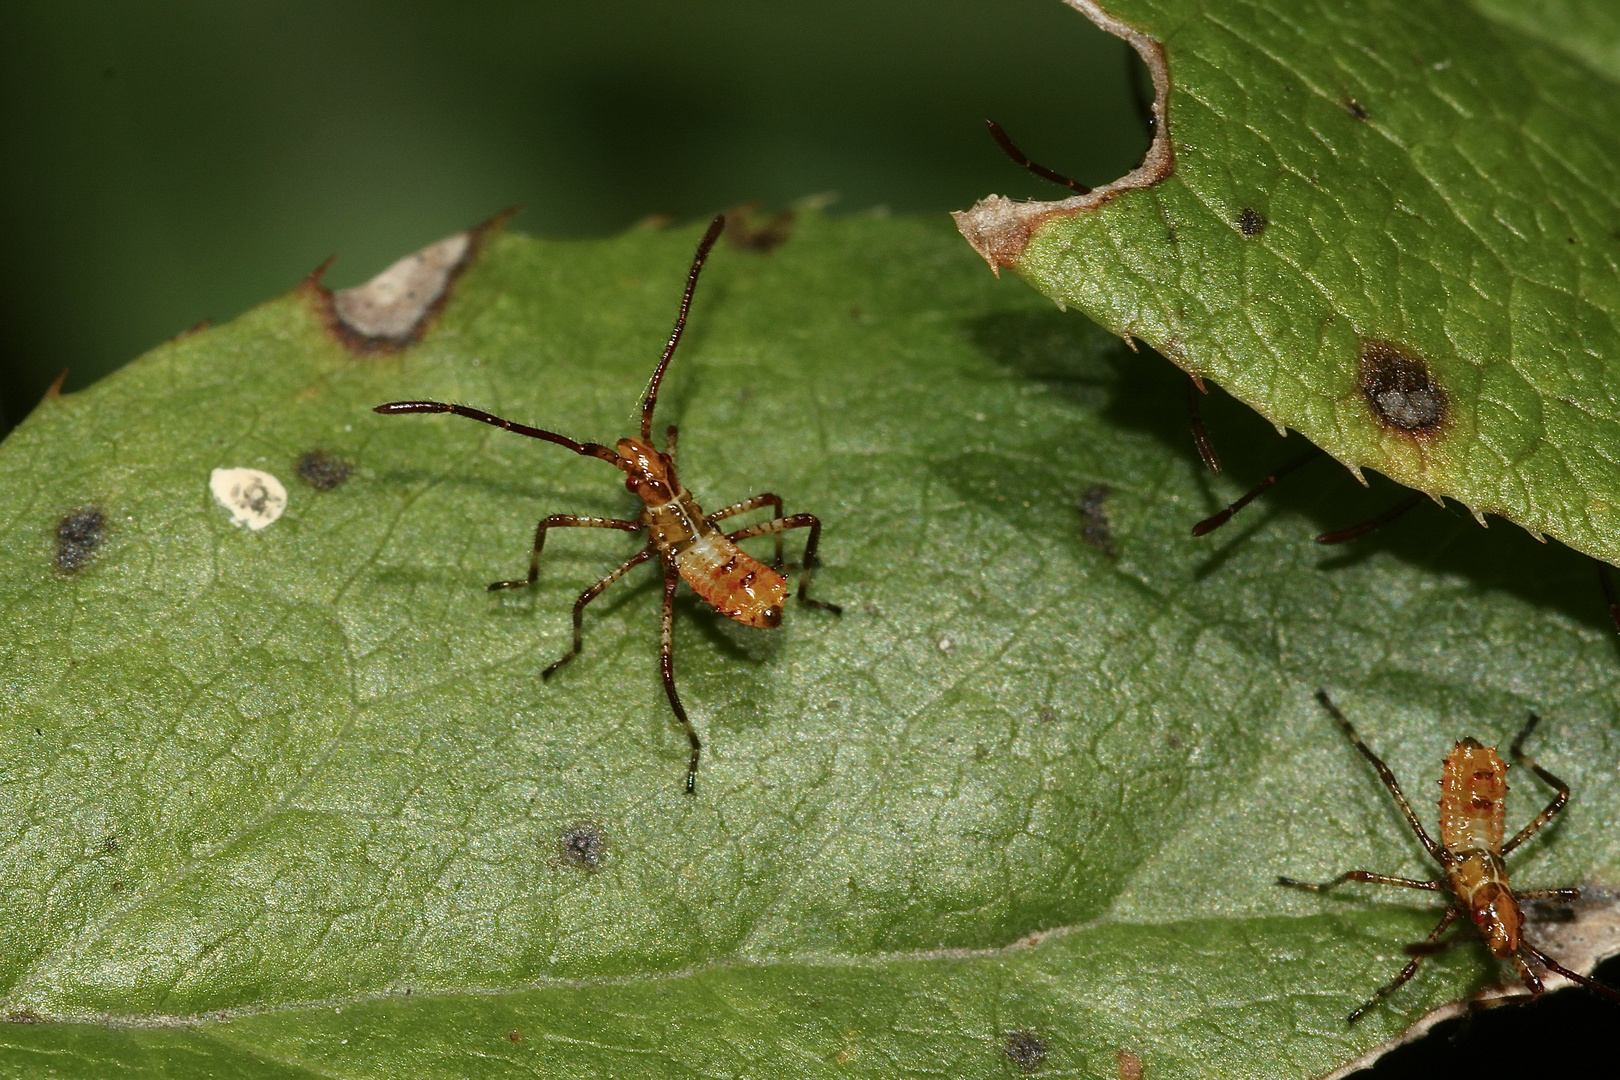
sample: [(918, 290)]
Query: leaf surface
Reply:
[(1392, 227), (288, 802)]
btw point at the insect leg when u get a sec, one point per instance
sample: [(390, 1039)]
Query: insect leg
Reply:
[(1552, 781), (1041, 171), (1356, 532), (591, 594), (1527, 974), (562, 521), (1361, 875), (1215, 521), (1206, 449), (666, 667), (1547, 894), (1552, 965), (1608, 593), (769, 498), (1408, 971), (780, 525), (671, 433), (1440, 854)]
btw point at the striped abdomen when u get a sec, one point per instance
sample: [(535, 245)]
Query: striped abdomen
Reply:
[(1473, 787), (735, 583)]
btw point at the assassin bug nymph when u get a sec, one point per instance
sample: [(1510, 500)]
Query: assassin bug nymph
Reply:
[(686, 541), (1473, 787)]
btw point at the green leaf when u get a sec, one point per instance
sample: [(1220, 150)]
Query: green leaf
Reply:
[(1392, 227), (289, 801)]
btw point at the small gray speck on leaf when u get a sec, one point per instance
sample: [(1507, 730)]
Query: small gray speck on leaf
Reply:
[(1025, 1049), (1095, 529), (1252, 222), (77, 536), (582, 846), (323, 471)]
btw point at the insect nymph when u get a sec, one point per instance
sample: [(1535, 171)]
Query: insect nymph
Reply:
[(1471, 852), (688, 543)]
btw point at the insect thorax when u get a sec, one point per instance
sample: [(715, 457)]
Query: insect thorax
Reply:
[(1480, 880)]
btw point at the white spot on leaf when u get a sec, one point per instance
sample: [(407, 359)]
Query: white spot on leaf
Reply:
[(254, 497)]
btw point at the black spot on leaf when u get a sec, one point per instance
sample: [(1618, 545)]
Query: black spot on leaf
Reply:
[(1399, 390), (77, 536), (323, 471), (1252, 222), (1025, 1049), (1354, 108), (582, 846)]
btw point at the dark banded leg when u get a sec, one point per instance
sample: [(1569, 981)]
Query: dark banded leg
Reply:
[(1206, 449), (591, 594), (780, 525), (770, 499), (1608, 593), (1552, 965), (562, 521), (1041, 171), (1361, 875), (1409, 970), (1387, 777), (666, 667), (1356, 532), (1215, 521), (1552, 781), (1547, 894), (1527, 974)]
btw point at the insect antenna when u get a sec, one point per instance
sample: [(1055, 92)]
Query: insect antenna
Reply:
[(1356, 532), (651, 400), (1215, 521), (595, 450), (1041, 171)]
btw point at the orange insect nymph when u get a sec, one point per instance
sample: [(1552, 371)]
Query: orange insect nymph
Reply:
[(686, 540), (1473, 789), (1473, 785)]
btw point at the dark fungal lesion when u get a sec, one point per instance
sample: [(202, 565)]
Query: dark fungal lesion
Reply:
[(78, 535), (1251, 222), (582, 846), (1025, 1049), (321, 470), (1399, 389)]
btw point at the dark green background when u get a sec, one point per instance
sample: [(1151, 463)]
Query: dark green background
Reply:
[(168, 162)]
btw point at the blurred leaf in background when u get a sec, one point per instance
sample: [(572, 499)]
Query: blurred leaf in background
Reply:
[(170, 162)]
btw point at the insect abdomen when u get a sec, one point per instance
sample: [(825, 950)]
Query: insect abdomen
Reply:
[(735, 583), (1472, 787)]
